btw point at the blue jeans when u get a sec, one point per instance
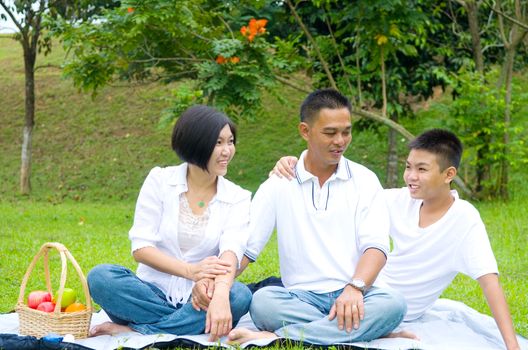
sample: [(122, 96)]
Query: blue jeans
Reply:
[(303, 316), (143, 307)]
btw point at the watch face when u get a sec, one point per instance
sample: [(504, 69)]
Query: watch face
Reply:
[(359, 284)]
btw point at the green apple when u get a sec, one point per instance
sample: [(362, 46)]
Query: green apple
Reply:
[(68, 297)]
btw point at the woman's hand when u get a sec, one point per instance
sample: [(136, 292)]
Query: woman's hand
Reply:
[(202, 293), (219, 319), (285, 167), (209, 267)]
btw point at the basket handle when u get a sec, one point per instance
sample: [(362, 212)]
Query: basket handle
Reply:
[(64, 255)]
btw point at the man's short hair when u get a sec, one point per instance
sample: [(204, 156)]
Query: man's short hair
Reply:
[(319, 99), (196, 132), (443, 143)]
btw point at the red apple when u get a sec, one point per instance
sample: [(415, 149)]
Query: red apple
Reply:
[(46, 306), (36, 297)]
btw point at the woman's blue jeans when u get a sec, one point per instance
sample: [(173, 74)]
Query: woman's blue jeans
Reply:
[(303, 316), (143, 307)]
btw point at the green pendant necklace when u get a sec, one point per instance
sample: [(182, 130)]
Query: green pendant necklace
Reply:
[(201, 204)]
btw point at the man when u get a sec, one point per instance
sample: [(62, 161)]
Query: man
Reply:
[(332, 228), (436, 234)]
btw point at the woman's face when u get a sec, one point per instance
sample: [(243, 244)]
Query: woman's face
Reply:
[(222, 153)]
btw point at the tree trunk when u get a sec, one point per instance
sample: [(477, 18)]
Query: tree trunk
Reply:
[(482, 171), (392, 157), (516, 35), (30, 54), (471, 7), (392, 152), (504, 167)]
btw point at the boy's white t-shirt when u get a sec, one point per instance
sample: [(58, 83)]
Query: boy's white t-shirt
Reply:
[(424, 261)]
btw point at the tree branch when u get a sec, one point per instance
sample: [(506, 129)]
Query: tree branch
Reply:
[(12, 16), (49, 65), (501, 24), (314, 44), (159, 59), (292, 85), (227, 26), (336, 48), (509, 18)]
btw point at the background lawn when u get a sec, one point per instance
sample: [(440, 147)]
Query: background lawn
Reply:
[(91, 156)]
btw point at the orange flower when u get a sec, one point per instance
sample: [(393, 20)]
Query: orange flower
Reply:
[(261, 25), (254, 28), (220, 59), (130, 9), (234, 60)]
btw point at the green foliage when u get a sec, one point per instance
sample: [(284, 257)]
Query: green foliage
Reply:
[(478, 116), (172, 41), (235, 81)]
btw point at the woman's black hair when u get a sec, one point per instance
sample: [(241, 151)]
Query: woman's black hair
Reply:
[(196, 132)]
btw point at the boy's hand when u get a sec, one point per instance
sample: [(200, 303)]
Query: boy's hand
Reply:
[(285, 167)]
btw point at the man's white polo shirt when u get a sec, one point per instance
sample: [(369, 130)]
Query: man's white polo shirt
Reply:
[(321, 231)]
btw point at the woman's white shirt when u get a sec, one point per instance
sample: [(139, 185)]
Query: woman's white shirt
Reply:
[(156, 225)]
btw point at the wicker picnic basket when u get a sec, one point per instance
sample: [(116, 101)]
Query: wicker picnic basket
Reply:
[(39, 323)]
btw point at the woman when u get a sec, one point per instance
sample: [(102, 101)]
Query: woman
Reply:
[(190, 225)]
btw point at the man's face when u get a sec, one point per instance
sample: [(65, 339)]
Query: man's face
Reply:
[(423, 176), (328, 136)]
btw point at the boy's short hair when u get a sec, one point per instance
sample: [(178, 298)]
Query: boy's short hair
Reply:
[(196, 132), (443, 143), (319, 99)]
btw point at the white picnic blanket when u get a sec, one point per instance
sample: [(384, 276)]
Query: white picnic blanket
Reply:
[(448, 325)]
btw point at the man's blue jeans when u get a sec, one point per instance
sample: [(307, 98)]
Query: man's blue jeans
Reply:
[(303, 316), (143, 307)]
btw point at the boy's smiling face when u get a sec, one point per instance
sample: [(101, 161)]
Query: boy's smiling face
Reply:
[(424, 177)]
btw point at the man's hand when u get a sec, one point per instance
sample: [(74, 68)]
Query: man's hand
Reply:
[(349, 309), (202, 293)]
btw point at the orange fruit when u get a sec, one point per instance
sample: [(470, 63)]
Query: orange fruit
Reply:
[(75, 307)]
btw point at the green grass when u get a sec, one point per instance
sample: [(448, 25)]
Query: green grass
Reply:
[(90, 157)]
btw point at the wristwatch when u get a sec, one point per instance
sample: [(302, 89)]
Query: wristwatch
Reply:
[(358, 284)]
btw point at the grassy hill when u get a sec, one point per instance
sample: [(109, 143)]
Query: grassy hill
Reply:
[(91, 155)]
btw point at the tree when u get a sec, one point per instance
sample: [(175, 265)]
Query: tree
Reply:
[(383, 33), (506, 27), (222, 60), (517, 31), (211, 49), (30, 29)]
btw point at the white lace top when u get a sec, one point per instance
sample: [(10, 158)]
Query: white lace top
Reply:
[(191, 227), (156, 224)]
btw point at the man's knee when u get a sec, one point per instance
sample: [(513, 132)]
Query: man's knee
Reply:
[(391, 303), (266, 306), (398, 303)]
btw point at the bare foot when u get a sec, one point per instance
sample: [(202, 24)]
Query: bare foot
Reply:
[(402, 334), (109, 328), (243, 335)]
